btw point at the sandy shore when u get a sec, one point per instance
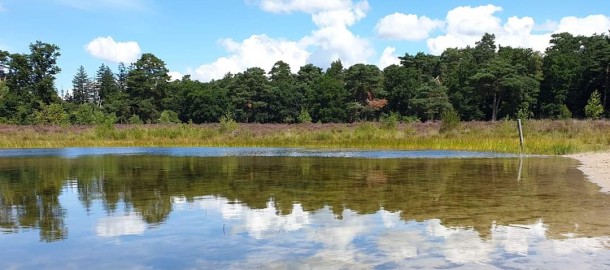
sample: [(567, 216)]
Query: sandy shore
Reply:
[(596, 166)]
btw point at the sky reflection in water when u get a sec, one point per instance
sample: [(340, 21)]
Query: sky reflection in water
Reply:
[(141, 211)]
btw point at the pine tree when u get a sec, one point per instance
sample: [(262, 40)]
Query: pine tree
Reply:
[(81, 86)]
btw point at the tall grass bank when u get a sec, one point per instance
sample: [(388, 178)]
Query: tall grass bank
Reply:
[(541, 136)]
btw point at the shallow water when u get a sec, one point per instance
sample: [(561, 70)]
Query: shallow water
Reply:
[(241, 208)]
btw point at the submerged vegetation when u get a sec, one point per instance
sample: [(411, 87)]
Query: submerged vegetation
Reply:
[(541, 136)]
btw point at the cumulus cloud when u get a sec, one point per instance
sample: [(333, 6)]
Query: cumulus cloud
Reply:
[(594, 24), (341, 17), (473, 21), (331, 40), (255, 51), (406, 27), (107, 49), (334, 40), (338, 42), (388, 58), (175, 75), (466, 24)]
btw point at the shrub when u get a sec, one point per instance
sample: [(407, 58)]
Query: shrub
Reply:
[(564, 112), (449, 120), (169, 117), (87, 114), (106, 129), (390, 122), (304, 117), (227, 124), (594, 108), (52, 114), (135, 119)]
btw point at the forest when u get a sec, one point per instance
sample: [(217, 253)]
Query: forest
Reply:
[(485, 82)]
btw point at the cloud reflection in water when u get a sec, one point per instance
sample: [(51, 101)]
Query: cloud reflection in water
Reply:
[(384, 239)]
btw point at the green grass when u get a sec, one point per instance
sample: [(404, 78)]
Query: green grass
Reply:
[(541, 136)]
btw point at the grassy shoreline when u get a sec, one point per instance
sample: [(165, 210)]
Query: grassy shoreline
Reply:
[(541, 136)]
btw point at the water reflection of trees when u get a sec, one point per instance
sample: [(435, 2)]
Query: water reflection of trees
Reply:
[(462, 193), (29, 196)]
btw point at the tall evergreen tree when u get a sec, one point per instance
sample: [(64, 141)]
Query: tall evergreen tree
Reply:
[(106, 84), (81, 87), (146, 87)]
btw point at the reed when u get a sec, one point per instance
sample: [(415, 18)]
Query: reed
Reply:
[(541, 136)]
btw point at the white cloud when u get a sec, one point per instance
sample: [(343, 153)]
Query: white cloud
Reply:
[(106, 48), (406, 27), (341, 17), (337, 42), (259, 223), (547, 26), (594, 24), (334, 40), (122, 225), (473, 21), (465, 25), (318, 239), (331, 40), (517, 32), (388, 58), (256, 51), (175, 75), (306, 6)]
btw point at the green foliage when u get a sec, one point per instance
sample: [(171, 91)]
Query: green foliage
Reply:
[(450, 120), (390, 122), (82, 88), (409, 119), (331, 103), (304, 116), (594, 108), (146, 86), (366, 131), (87, 114), (564, 112), (169, 117), (107, 129), (483, 82), (364, 82), (227, 124), (107, 88), (431, 101), (563, 149), (135, 120), (524, 114), (52, 114)]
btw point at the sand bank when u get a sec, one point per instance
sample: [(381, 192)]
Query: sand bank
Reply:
[(596, 166)]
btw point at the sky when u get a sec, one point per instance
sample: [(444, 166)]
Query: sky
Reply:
[(209, 38)]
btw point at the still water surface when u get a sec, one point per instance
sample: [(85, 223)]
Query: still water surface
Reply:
[(228, 208)]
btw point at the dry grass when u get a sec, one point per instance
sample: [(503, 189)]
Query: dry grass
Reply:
[(541, 136)]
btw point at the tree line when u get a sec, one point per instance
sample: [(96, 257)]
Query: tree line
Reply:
[(482, 82)]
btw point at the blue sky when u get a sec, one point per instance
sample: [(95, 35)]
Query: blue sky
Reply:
[(208, 38)]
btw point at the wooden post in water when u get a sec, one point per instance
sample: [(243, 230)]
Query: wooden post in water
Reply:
[(520, 168), (520, 134)]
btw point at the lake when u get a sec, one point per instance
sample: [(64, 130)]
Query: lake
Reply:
[(266, 208)]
